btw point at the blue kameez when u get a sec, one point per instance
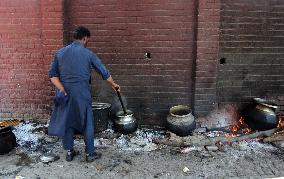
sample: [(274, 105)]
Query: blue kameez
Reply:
[(73, 65)]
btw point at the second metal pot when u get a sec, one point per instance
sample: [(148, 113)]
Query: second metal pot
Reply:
[(125, 123), (261, 115)]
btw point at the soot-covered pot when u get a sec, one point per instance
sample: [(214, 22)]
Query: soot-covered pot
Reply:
[(180, 120), (261, 115), (7, 140)]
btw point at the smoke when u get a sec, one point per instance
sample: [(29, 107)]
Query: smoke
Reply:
[(102, 92)]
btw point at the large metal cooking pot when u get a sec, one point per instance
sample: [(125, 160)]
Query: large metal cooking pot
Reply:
[(101, 115), (261, 115), (124, 122), (7, 140)]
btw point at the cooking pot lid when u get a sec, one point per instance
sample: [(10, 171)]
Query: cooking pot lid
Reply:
[(98, 105)]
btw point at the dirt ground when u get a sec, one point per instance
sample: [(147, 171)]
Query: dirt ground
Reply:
[(240, 160)]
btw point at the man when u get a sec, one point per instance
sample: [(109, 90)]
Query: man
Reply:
[(70, 73)]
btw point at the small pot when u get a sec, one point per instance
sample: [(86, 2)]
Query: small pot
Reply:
[(125, 123), (180, 120), (261, 115)]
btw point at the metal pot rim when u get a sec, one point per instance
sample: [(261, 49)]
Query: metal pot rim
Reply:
[(121, 113), (99, 105), (180, 107), (265, 103)]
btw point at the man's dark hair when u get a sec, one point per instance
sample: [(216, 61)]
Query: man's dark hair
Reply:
[(81, 32)]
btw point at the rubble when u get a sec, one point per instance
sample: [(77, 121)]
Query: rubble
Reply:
[(49, 157), (190, 149), (211, 148)]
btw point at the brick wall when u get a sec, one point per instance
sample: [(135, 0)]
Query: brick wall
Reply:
[(252, 44), (207, 56), (238, 52), (123, 32), (25, 50)]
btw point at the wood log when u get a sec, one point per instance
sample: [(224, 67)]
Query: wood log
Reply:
[(186, 141), (279, 136), (274, 138)]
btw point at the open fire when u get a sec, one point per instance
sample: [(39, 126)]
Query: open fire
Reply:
[(242, 128)]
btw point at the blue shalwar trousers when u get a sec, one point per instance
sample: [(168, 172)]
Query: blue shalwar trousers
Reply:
[(75, 115)]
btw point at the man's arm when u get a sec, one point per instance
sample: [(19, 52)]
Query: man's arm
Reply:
[(56, 82), (114, 86)]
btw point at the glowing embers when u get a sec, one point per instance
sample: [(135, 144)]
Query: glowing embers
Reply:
[(281, 120), (240, 128)]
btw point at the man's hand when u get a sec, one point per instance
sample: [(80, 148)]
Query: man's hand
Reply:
[(56, 82), (114, 86)]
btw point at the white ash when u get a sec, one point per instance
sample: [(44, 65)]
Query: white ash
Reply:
[(122, 141), (215, 133), (142, 140), (26, 137), (212, 134), (243, 148), (256, 146), (108, 131)]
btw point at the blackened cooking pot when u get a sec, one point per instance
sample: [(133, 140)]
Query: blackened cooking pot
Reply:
[(180, 120), (260, 115), (7, 140)]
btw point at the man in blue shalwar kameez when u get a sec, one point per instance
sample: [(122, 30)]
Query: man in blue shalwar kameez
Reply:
[(70, 72)]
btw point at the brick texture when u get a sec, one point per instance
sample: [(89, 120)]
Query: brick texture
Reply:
[(207, 56), (122, 32), (25, 51), (252, 41), (203, 53)]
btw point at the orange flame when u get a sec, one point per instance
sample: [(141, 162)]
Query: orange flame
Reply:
[(281, 121), (235, 128), (246, 130), (240, 126), (242, 121)]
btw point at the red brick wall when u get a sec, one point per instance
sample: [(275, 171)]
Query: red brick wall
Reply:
[(252, 41), (29, 31), (122, 32), (247, 34), (207, 56)]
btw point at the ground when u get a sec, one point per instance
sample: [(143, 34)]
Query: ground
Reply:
[(248, 159), (163, 163)]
